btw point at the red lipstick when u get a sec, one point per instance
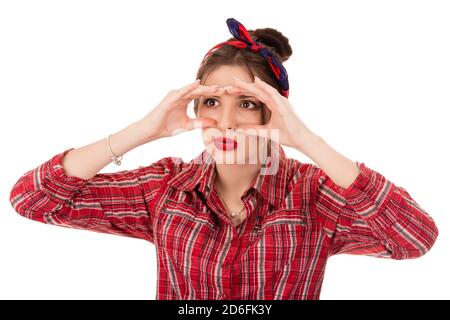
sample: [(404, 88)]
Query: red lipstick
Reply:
[(225, 144)]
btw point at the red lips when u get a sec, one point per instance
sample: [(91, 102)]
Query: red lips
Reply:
[(225, 144)]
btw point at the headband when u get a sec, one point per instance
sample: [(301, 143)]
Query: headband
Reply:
[(244, 40)]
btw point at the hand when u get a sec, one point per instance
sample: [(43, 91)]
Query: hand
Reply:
[(292, 131), (170, 117)]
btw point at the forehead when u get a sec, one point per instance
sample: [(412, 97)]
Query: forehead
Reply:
[(223, 75)]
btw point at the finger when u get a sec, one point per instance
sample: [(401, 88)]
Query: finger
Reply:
[(202, 90), (243, 92), (268, 89), (265, 86), (183, 91), (198, 123), (250, 88), (189, 87), (252, 130)]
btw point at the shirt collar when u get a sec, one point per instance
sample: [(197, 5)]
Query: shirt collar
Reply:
[(201, 172)]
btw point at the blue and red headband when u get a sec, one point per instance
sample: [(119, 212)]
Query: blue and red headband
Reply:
[(245, 41)]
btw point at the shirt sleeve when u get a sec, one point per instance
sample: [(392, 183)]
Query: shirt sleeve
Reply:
[(115, 203), (372, 217)]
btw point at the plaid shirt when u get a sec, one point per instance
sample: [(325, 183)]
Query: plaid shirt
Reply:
[(296, 219)]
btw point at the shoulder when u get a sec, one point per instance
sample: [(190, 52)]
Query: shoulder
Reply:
[(302, 179), (301, 172), (163, 167)]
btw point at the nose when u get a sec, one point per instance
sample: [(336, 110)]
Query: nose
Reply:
[(226, 119)]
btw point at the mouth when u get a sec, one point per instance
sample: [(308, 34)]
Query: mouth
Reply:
[(225, 144)]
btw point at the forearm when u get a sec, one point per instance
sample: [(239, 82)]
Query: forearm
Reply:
[(339, 168), (85, 162)]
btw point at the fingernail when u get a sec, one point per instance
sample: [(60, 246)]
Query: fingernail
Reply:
[(237, 78)]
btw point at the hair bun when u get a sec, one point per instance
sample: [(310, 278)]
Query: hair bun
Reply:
[(273, 39)]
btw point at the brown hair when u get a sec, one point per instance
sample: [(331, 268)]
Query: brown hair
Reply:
[(274, 40)]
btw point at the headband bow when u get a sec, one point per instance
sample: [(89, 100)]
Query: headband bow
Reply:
[(244, 40)]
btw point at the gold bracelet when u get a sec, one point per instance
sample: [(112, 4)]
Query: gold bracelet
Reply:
[(114, 158)]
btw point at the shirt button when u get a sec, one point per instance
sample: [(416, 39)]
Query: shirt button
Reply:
[(257, 229), (223, 296)]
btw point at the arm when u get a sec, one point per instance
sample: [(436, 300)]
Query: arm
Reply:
[(364, 212), (360, 210), (68, 191), (114, 203), (86, 161)]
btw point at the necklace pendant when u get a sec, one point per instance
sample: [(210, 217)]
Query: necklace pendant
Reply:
[(233, 214)]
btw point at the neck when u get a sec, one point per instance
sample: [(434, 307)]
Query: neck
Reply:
[(233, 179)]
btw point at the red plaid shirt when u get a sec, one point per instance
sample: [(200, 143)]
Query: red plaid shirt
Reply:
[(297, 219)]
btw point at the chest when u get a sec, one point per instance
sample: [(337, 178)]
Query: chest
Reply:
[(193, 237)]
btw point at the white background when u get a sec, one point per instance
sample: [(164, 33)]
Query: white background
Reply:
[(371, 77)]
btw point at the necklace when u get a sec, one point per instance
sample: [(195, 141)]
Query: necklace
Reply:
[(233, 214)]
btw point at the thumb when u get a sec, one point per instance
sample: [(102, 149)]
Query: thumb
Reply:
[(198, 123), (252, 129)]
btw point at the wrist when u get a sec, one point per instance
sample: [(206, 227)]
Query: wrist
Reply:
[(309, 141), (133, 136), (144, 127)]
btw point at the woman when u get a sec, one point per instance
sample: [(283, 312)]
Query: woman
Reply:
[(241, 220)]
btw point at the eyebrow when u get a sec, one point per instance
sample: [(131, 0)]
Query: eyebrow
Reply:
[(241, 97)]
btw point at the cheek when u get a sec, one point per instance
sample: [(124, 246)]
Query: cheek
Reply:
[(204, 112), (254, 117)]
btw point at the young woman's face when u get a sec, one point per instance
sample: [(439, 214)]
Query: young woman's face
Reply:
[(231, 110)]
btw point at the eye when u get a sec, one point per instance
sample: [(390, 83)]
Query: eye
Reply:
[(246, 104), (205, 102), (255, 106)]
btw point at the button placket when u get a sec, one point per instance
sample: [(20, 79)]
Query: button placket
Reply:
[(257, 230), (226, 283), (227, 264), (232, 251)]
